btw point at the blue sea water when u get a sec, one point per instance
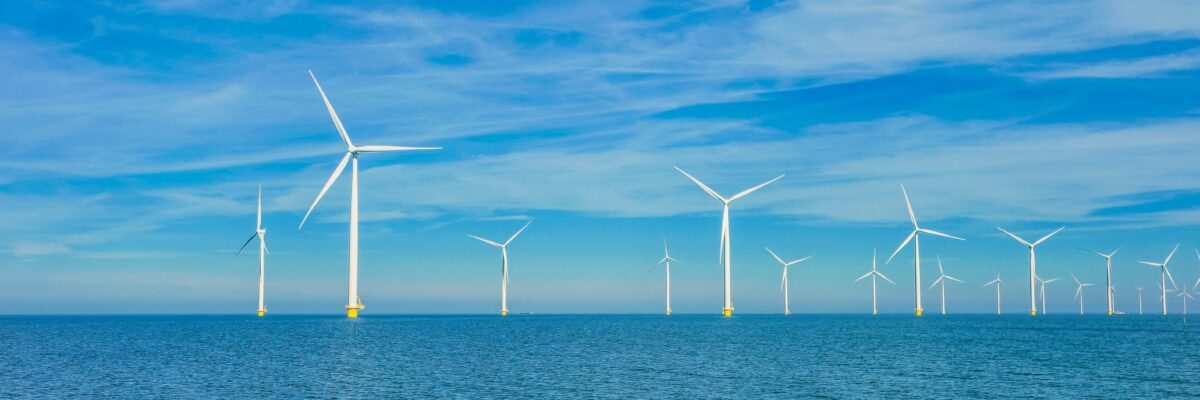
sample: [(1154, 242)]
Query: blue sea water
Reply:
[(599, 356)]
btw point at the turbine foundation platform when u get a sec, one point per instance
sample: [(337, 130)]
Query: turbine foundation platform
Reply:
[(261, 312), (727, 311), (503, 313), (919, 311), (668, 311)]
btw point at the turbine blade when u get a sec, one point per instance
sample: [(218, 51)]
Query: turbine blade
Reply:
[(953, 279), (485, 241), (932, 232), (940, 272), (751, 190), (877, 273), (337, 122), (377, 149), (772, 255), (911, 216), (336, 172), (514, 236), (1168, 260), (259, 207), (863, 277), (939, 280), (710, 192), (1014, 236), (1152, 264), (265, 248), (1076, 279), (799, 261), (905, 243), (1170, 278), (1043, 239), (239, 252)]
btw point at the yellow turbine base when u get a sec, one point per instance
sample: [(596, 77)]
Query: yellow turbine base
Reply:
[(260, 312), (668, 312), (1032, 312), (1110, 313), (503, 313), (727, 311), (786, 312), (351, 313), (919, 312)]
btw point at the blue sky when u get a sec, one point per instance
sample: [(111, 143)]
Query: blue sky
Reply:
[(136, 136)]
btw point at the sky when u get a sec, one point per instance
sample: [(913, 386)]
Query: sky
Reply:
[(136, 136)]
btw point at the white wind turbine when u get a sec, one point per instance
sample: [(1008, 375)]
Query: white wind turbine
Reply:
[(1183, 292), (915, 237), (1139, 301), (261, 234), (783, 284), (504, 266), (1165, 273), (874, 274), (1108, 269), (1032, 265), (354, 303), (942, 278), (1079, 291), (996, 282), (725, 246), (1044, 283), (667, 260)]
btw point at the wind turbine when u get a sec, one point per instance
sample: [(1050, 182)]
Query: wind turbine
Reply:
[(261, 234), (1044, 283), (1165, 273), (783, 284), (942, 278), (1139, 301), (667, 260), (915, 237), (996, 282), (725, 246), (354, 303), (1108, 269), (1032, 265), (874, 274), (504, 267), (1183, 292), (1079, 291)]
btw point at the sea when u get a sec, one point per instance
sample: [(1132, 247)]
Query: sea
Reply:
[(599, 356)]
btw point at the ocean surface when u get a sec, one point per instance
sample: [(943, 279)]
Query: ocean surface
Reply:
[(599, 356)]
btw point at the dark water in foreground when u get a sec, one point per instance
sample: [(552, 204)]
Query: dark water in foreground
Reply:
[(608, 356)]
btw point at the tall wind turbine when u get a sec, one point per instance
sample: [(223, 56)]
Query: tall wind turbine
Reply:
[(1139, 301), (874, 274), (504, 267), (261, 234), (915, 237), (942, 278), (783, 284), (353, 303), (996, 282), (1183, 292), (725, 246), (667, 260), (1108, 270), (1079, 291), (1032, 265), (1165, 273), (1044, 283)]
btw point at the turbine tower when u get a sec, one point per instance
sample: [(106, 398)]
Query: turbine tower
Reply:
[(1044, 283), (1139, 301), (1183, 292), (942, 278), (261, 234), (667, 260), (874, 274), (996, 282), (1108, 270), (915, 237), (504, 266), (725, 246), (1165, 273), (1032, 265), (1079, 291), (783, 284), (353, 303)]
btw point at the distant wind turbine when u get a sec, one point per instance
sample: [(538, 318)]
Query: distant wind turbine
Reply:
[(261, 234), (874, 274), (1079, 291), (667, 260), (353, 304), (725, 246), (1032, 264), (996, 282), (504, 266), (942, 278), (1044, 283), (915, 237), (1139, 301), (783, 284), (1165, 273), (1183, 292), (1108, 270)]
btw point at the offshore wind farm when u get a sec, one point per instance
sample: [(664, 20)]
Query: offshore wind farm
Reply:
[(145, 140)]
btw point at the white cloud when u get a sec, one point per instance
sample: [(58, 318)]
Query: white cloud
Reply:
[(32, 249)]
